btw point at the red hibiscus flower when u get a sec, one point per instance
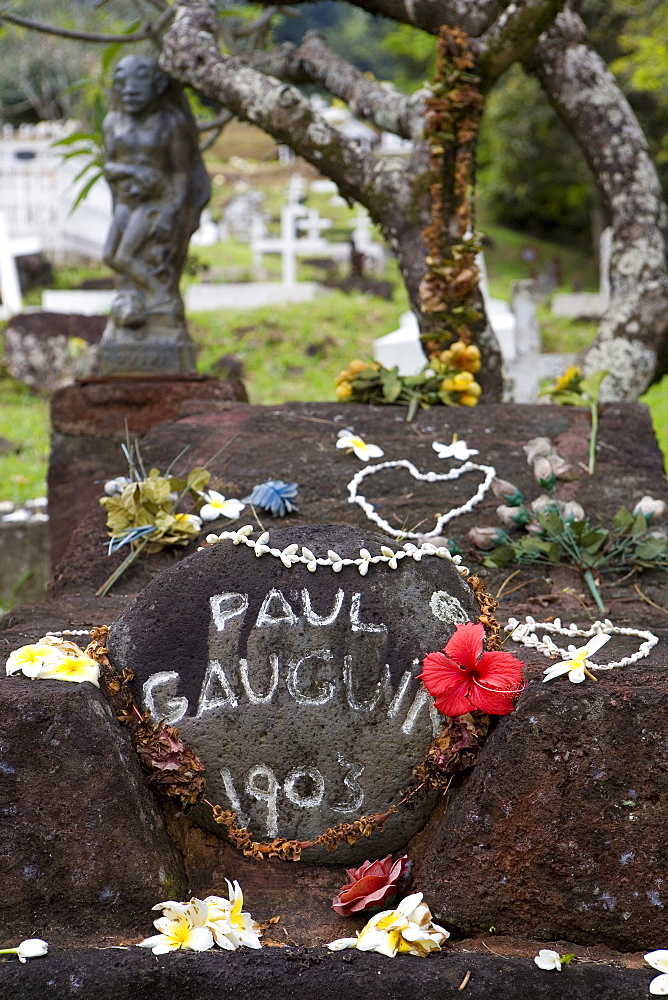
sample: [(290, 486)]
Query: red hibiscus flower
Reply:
[(370, 886), (463, 677)]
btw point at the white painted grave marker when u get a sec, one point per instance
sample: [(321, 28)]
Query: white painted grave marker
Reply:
[(298, 690)]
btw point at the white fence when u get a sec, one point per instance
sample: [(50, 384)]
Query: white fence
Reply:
[(37, 191)]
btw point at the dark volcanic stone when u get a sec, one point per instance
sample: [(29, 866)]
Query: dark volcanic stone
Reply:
[(297, 688), (302, 974), (560, 829), (84, 852), (540, 834)]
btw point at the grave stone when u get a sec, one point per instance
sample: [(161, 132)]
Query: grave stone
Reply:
[(47, 351), (297, 687), (589, 305), (240, 214)]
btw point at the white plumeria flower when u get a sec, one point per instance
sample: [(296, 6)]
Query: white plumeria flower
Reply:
[(548, 959), (230, 923), (217, 506), (72, 668), (577, 666), (30, 660), (181, 926), (659, 961), (408, 929), (30, 948), (458, 449), (218, 921), (53, 659), (356, 444)]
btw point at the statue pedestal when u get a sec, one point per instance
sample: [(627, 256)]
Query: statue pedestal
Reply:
[(147, 357), (138, 343), (90, 420)]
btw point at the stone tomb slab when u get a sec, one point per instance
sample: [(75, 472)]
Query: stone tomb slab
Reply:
[(297, 688)]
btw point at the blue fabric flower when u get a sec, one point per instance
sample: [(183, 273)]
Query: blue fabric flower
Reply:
[(128, 536), (275, 496)]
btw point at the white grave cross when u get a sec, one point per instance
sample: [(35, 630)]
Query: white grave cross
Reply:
[(12, 301)]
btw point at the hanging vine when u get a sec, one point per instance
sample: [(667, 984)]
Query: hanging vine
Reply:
[(453, 111)]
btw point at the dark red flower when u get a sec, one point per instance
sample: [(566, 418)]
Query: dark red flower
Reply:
[(463, 677), (370, 886)]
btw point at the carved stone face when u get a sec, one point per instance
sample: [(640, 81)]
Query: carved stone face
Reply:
[(138, 83)]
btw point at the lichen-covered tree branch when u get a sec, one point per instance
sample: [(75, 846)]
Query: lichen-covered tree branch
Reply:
[(632, 342)]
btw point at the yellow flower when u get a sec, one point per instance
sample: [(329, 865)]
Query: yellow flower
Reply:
[(408, 929), (181, 926), (565, 380), (357, 366), (577, 666), (461, 382), (469, 359), (344, 390), (31, 660), (353, 369), (72, 668)]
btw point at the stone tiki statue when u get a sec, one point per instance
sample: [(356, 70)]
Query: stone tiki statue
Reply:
[(159, 187)]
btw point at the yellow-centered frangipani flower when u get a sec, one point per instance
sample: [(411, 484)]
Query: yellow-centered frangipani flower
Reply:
[(72, 668), (217, 506), (577, 666), (30, 660), (408, 929), (457, 449), (231, 927), (54, 658), (353, 442), (181, 926)]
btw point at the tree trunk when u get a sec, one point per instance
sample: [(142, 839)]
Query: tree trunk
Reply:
[(632, 342)]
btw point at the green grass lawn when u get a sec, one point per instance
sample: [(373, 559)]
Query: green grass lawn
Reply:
[(24, 420), (295, 352)]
